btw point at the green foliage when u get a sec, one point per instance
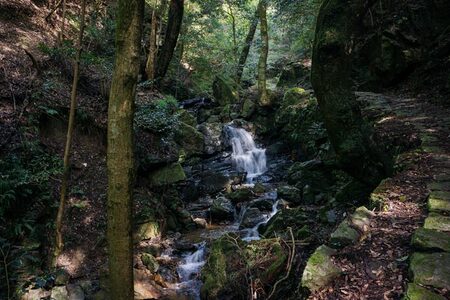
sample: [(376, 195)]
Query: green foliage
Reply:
[(158, 117)]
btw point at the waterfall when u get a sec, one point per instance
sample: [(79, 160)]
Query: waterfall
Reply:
[(188, 272), (246, 156)]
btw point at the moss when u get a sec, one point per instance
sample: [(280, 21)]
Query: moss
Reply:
[(439, 201), (431, 269), (416, 292), (167, 175), (428, 239), (240, 195), (319, 269), (438, 222), (186, 117), (190, 139), (343, 236), (224, 90)]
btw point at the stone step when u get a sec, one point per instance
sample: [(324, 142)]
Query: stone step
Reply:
[(438, 222), (439, 186), (439, 201), (431, 269), (416, 292), (429, 239)]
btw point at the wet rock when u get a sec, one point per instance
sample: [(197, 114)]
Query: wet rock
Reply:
[(290, 193), (312, 173), (76, 292), (144, 288), (259, 188), (438, 222), (169, 174), (201, 223), (429, 239), (252, 217), (344, 236), (213, 182), (277, 225), (150, 262), (147, 231), (416, 292), (262, 204), (222, 209), (431, 269), (212, 133), (224, 90), (319, 270), (240, 195), (190, 139), (59, 293)]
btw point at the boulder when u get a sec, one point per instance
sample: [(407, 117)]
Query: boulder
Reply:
[(438, 222), (262, 204), (251, 218), (248, 108), (166, 175), (150, 262), (224, 90), (295, 96), (290, 193), (429, 239), (147, 231), (319, 270), (416, 292), (186, 117), (439, 202), (76, 292), (222, 209), (431, 269), (240, 195), (343, 236), (294, 74), (277, 225), (35, 294), (190, 139), (360, 219), (59, 293), (312, 173), (213, 182), (212, 133)]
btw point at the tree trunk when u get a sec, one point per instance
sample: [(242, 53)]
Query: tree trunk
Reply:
[(120, 158), (151, 59), (66, 168), (247, 45), (337, 25), (264, 99), (63, 25), (172, 32)]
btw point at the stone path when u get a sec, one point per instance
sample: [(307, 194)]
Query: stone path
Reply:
[(407, 249)]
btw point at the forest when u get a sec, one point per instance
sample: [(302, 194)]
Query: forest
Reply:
[(224, 149)]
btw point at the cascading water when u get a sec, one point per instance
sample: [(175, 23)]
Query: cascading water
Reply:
[(188, 271), (246, 156)]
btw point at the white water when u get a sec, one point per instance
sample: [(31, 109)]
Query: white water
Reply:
[(246, 156), (252, 234), (189, 269)]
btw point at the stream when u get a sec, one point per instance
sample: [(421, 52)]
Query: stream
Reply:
[(246, 158)]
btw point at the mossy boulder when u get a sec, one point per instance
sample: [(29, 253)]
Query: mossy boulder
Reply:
[(212, 133), (186, 117), (431, 269), (319, 270), (290, 194), (248, 108), (278, 224), (438, 222), (147, 231), (240, 195), (222, 209), (439, 202), (417, 292), (150, 262), (190, 139), (224, 90), (343, 236), (360, 219), (294, 74), (295, 96), (169, 174), (429, 239), (313, 173)]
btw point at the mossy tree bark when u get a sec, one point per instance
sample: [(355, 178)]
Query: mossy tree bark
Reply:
[(247, 45), (174, 22), (151, 58), (120, 159), (264, 99), (70, 127), (351, 137)]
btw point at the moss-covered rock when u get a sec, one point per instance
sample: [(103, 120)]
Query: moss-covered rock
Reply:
[(248, 108), (319, 270), (439, 186), (313, 173), (224, 90), (278, 224), (295, 96), (150, 262), (439, 202), (416, 292), (190, 139), (222, 209), (360, 219), (240, 195), (186, 117), (431, 269), (429, 239), (343, 236), (147, 231), (294, 74), (290, 194), (169, 174), (438, 222)]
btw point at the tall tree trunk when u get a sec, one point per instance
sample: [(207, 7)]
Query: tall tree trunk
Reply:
[(170, 41), (120, 158), (151, 59), (264, 99), (247, 45), (337, 26), (66, 168), (63, 25)]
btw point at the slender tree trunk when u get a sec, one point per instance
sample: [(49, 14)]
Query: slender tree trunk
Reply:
[(66, 169), (63, 25), (151, 59), (247, 45), (174, 22), (120, 158), (233, 28), (331, 74), (264, 99)]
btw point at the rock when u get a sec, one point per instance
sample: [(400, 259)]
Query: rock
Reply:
[(429, 239), (213, 182), (252, 217), (61, 277), (76, 292), (148, 231), (212, 133), (294, 74), (35, 294), (59, 293), (240, 195), (262, 204), (416, 292), (431, 269), (439, 202), (144, 288), (319, 270), (438, 222), (295, 96), (313, 173), (439, 186), (224, 90), (169, 174), (186, 117), (259, 188), (294, 218), (308, 195), (222, 209), (344, 236), (201, 223), (361, 218), (277, 148), (190, 139), (248, 108), (290, 193), (150, 262)]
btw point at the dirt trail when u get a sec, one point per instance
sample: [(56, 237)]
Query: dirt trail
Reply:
[(377, 267)]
